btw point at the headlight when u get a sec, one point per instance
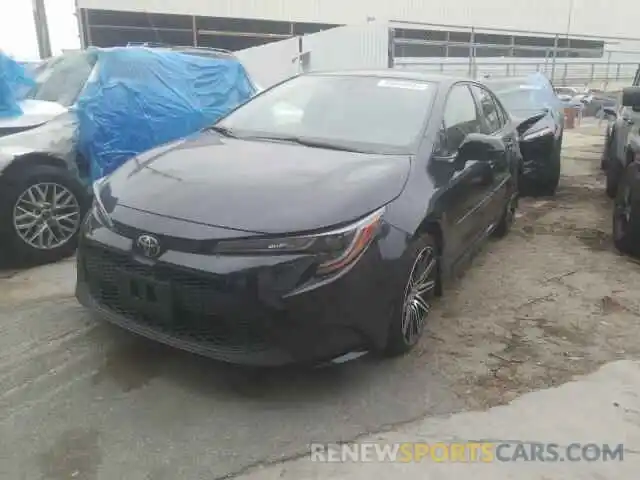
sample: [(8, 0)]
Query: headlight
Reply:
[(334, 249), (538, 133), (98, 210)]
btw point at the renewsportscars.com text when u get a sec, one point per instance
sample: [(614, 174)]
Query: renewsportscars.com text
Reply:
[(478, 452)]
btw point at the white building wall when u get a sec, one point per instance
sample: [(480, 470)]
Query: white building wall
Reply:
[(271, 63), (611, 18), (351, 47)]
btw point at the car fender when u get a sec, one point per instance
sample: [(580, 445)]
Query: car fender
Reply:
[(16, 160), (10, 154)]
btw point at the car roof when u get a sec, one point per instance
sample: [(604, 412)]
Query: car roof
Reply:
[(506, 80), (398, 74)]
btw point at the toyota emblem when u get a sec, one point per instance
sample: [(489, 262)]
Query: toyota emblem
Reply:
[(149, 245)]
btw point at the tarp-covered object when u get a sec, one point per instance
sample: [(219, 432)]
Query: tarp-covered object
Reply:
[(140, 98), (15, 81)]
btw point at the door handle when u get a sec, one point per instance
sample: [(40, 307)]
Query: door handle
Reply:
[(627, 120)]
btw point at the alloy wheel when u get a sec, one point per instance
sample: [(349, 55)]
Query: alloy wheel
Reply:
[(46, 216), (418, 293)]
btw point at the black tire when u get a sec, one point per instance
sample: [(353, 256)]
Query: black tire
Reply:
[(626, 212), (506, 220), (547, 187), (606, 154), (421, 252), (12, 244), (613, 172)]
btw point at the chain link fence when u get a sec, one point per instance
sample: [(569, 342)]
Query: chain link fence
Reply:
[(469, 52)]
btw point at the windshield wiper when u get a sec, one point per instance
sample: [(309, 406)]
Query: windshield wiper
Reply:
[(308, 143), (227, 132)]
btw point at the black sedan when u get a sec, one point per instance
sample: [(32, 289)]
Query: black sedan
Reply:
[(541, 127), (626, 190), (315, 221)]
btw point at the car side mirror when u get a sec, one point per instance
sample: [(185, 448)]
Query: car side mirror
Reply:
[(481, 148), (631, 97)]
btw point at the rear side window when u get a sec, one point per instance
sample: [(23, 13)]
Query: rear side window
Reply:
[(490, 110), (460, 118)]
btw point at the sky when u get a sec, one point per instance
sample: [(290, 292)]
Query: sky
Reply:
[(17, 29)]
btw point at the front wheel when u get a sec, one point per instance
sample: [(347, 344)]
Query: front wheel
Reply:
[(415, 300), (41, 210), (606, 154), (507, 219), (626, 213), (549, 185)]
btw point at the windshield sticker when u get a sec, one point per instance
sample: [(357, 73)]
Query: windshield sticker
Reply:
[(403, 84)]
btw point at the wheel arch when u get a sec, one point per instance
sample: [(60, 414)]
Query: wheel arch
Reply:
[(23, 162), (432, 225)]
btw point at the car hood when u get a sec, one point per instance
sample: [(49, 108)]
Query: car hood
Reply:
[(257, 186), (34, 113)]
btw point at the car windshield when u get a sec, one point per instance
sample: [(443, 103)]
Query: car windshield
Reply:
[(518, 97), (350, 112), (62, 78)]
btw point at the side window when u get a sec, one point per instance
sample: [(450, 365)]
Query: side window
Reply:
[(490, 110), (502, 113), (460, 119)]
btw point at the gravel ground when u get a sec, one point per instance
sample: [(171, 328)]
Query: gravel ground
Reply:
[(80, 399), (551, 301)]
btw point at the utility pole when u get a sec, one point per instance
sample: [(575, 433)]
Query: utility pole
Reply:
[(42, 29), (569, 18)]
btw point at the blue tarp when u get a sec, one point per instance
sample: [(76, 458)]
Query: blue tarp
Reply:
[(141, 98), (15, 81)]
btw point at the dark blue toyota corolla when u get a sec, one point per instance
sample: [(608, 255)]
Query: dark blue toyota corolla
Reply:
[(318, 219)]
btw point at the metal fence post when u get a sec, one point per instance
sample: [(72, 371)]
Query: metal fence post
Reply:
[(391, 48), (546, 60), (194, 30), (553, 60), (472, 51)]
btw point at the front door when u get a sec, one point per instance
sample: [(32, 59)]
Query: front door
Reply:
[(469, 183), (495, 122)]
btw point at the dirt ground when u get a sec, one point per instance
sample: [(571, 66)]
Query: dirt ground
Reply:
[(81, 399), (551, 301)]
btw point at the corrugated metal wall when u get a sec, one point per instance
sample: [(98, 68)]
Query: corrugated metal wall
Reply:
[(613, 18), (351, 47), (271, 63)]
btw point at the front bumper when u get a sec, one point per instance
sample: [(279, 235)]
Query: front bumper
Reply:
[(538, 158), (244, 310)]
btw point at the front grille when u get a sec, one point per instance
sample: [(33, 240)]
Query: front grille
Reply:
[(203, 308), (170, 243)]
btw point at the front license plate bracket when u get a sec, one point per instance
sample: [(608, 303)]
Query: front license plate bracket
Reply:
[(146, 296)]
